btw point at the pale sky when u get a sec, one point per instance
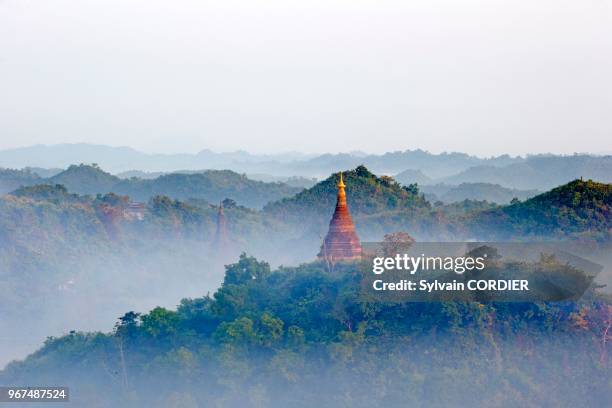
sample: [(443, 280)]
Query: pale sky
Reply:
[(479, 76)]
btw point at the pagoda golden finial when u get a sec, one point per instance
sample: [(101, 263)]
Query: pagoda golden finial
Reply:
[(341, 183)]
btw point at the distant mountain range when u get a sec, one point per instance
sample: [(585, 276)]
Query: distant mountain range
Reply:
[(123, 159), (211, 185), (540, 172)]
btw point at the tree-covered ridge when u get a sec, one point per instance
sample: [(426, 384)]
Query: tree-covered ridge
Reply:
[(57, 194), (579, 209), (304, 336), (211, 185), (163, 216)]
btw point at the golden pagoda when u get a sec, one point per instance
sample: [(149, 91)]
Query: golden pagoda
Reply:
[(341, 242)]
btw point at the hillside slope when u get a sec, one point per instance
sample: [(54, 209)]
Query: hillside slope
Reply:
[(578, 208)]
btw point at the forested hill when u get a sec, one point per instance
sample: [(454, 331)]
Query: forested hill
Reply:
[(211, 185), (579, 208), (85, 179), (307, 336), (366, 193)]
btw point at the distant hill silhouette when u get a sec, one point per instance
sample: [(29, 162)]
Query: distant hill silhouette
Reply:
[(539, 172), (141, 174), (44, 173), (411, 176), (121, 159), (435, 165), (493, 193), (12, 179)]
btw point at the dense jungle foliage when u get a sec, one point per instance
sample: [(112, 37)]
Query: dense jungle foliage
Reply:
[(579, 209), (306, 336)]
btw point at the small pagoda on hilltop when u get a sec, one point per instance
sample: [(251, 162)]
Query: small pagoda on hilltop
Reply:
[(341, 242), (221, 241)]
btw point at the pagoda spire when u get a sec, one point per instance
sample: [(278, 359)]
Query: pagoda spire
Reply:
[(341, 242), (341, 192)]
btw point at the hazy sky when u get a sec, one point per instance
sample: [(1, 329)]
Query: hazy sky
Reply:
[(480, 76)]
